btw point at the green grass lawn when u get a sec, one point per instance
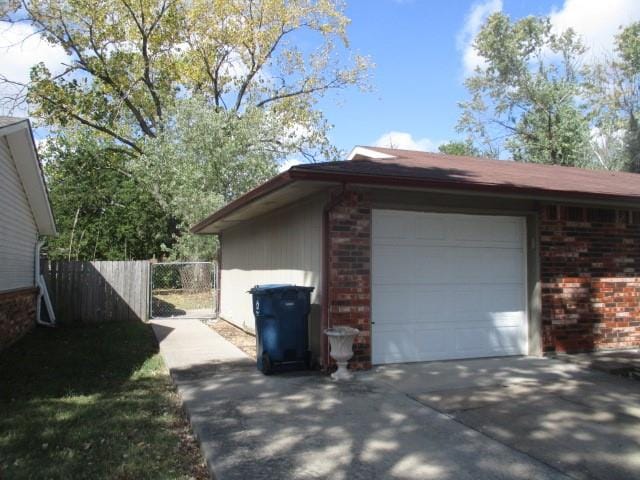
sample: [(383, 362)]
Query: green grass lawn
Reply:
[(92, 402)]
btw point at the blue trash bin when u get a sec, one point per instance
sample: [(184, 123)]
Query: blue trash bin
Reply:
[(282, 331)]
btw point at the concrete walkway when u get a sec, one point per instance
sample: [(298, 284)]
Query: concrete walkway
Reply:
[(187, 344), (442, 420)]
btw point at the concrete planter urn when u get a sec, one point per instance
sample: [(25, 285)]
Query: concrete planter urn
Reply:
[(341, 342)]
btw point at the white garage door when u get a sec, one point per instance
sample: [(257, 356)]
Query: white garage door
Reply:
[(447, 286)]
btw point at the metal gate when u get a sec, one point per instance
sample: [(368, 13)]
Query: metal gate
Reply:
[(183, 290)]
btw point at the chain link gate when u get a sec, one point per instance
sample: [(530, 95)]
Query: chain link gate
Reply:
[(183, 290)]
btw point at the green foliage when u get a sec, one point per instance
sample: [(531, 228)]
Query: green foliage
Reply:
[(183, 106), (102, 212), (632, 146), (628, 92), (628, 48), (614, 96), (456, 147), (525, 98), (130, 61), (206, 159)]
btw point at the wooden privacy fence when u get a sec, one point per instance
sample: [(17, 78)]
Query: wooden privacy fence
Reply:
[(84, 292)]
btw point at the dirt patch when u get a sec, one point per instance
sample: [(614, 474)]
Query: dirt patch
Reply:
[(179, 302), (240, 338)]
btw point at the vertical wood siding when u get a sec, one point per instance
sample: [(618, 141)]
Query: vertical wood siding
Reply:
[(284, 247), (18, 233), (87, 292)]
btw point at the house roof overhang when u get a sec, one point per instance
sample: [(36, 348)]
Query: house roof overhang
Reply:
[(385, 168), (19, 136)]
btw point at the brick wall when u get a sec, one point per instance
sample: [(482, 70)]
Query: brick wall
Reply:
[(590, 269), (17, 315), (349, 251)]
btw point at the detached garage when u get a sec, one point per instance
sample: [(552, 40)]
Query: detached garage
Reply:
[(440, 257)]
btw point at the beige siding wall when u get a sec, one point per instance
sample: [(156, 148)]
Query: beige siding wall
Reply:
[(285, 247), (18, 234)]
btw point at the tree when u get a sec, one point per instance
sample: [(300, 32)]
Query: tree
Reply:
[(130, 61), (525, 97), (207, 159), (254, 69), (632, 146), (456, 147), (101, 211), (615, 94)]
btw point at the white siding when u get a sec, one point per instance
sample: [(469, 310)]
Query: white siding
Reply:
[(18, 234), (285, 247)]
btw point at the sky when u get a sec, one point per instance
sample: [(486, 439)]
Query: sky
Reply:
[(422, 51)]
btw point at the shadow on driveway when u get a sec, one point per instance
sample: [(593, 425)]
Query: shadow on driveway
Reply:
[(398, 422), (583, 423), (504, 418)]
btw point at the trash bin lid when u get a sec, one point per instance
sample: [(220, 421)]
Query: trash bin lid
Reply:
[(276, 287)]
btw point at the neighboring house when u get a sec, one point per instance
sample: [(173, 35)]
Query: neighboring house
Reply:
[(441, 257), (25, 214)]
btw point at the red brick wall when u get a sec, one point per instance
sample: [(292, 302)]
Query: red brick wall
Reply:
[(17, 315), (349, 251), (590, 269)]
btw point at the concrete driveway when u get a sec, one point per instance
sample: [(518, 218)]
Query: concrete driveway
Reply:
[(508, 418), (582, 423)]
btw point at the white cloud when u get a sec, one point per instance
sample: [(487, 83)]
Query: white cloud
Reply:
[(404, 140), (596, 21), (20, 49), (476, 17)]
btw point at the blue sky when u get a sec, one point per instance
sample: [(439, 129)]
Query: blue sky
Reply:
[(422, 54)]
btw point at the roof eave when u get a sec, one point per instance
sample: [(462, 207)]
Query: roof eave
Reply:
[(21, 142), (269, 186), (401, 181), (302, 174)]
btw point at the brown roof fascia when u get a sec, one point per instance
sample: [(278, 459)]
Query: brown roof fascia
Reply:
[(400, 181), (302, 174)]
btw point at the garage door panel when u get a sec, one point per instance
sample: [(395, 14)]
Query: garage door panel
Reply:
[(399, 347), (505, 319), (426, 261), (387, 301), (393, 265), (390, 226), (469, 229), (508, 232), (451, 287), (504, 266), (432, 341), (430, 230), (475, 229), (471, 341), (503, 297), (417, 304), (508, 339)]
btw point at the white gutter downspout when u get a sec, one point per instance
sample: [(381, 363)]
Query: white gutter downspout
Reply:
[(43, 293)]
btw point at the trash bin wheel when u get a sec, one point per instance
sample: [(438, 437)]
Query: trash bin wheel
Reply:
[(267, 366)]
